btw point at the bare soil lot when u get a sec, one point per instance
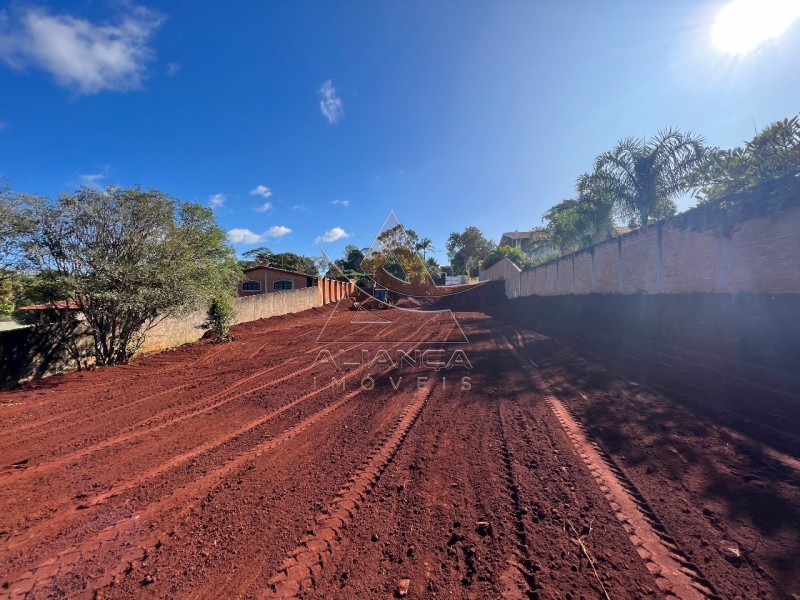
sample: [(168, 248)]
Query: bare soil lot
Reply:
[(247, 470)]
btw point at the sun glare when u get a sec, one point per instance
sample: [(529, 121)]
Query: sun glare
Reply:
[(744, 25)]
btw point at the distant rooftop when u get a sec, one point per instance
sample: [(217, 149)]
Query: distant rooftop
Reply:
[(524, 235), (58, 305)]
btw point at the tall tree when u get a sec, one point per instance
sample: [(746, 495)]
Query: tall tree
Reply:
[(425, 245), (351, 263), (644, 175), (16, 225), (130, 257), (395, 253), (295, 262), (257, 257), (467, 249)]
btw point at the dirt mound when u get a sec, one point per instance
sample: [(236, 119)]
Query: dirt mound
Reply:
[(482, 297), (408, 303)]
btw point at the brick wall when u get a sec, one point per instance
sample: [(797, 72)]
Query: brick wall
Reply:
[(761, 255)]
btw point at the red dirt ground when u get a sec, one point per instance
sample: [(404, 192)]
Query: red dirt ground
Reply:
[(244, 470)]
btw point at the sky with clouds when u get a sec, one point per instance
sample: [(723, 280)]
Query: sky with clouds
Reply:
[(304, 123)]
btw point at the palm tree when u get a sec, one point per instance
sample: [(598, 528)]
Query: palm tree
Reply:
[(425, 244), (644, 176)]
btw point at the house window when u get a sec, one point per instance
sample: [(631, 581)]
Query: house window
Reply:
[(282, 284), (251, 286)]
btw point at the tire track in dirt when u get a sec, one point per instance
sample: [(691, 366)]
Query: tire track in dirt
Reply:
[(122, 392), (304, 564), (42, 573), (216, 474), (145, 427), (173, 462), (674, 572), (145, 364), (525, 563)]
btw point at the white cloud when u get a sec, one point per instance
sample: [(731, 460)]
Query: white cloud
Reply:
[(337, 233), (331, 105), (2, 125), (340, 202), (261, 190), (264, 207), (173, 68), (217, 200), (245, 236), (81, 55), (92, 179), (277, 231)]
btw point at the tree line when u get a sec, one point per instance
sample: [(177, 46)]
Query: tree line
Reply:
[(128, 258), (123, 258), (637, 182)]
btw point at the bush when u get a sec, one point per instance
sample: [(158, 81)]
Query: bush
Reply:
[(220, 317), (513, 254)]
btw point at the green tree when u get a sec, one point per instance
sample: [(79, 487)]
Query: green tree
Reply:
[(257, 257), (7, 289), (16, 226), (767, 168), (130, 257), (425, 245), (351, 263), (513, 254), (295, 262), (467, 250), (395, 253), (433, 268), (220, 317), (643, 176)]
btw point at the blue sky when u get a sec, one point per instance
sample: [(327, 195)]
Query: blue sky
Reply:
[(333, 113)]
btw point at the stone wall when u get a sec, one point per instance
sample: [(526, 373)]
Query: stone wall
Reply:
[(760, 255)]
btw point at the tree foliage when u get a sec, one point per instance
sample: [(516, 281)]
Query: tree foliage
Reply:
[(257, 257), (129, 257), (425, 245), (263, 257), (765, 169), (395, 253), (467, 250), (220, 317), (16, 226), (513, 254), (644, 176)]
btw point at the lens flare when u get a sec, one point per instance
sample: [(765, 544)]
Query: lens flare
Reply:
[(744, 25)]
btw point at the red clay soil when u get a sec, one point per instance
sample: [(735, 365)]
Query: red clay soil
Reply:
[(247, 470)]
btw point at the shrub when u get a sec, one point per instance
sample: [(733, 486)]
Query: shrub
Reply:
[(220, 317)]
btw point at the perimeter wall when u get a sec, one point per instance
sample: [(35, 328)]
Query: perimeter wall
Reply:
[(39, 351), (760, 255)]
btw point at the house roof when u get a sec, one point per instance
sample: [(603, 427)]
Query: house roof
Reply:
[(57, 305), (271, 268), (524, 235)]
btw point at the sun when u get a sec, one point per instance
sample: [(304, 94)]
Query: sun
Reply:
[(744, 25)]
